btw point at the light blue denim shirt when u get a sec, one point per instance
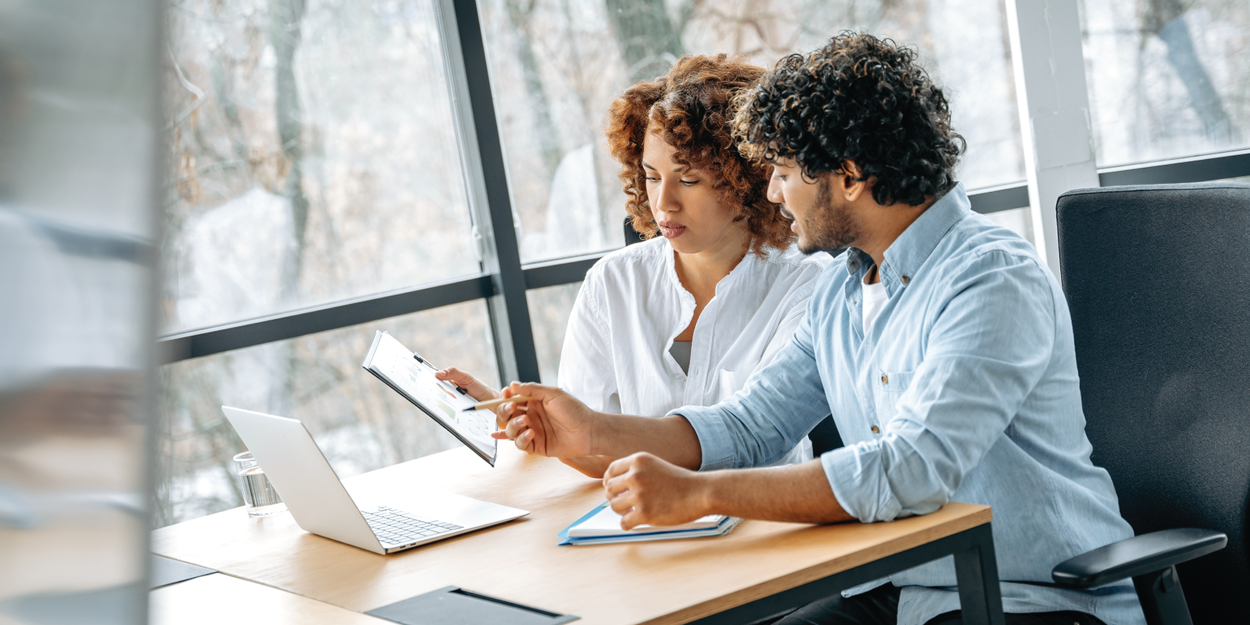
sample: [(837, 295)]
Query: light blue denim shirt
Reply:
[(965, 389)]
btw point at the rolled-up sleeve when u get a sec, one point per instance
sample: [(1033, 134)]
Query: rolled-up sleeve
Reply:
[(780, 404), (984, 354)]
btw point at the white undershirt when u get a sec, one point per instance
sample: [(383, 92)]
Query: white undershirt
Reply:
[(681, 353), (875, 298)]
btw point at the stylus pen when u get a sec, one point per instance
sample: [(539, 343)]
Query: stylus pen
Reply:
[(431, 365), (495, 402)]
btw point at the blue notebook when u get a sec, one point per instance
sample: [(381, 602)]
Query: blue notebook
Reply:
[(602, 526)]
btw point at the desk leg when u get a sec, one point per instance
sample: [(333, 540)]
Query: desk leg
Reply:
[(976, 571), (980, 597)]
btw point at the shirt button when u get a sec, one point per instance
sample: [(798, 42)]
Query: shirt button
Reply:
[(876, 430), (905, 279), (885, 379)]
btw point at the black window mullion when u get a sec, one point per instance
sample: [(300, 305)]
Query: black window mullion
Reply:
[(481, 157), (561, 271), (1194, 169), (296, 323), (1000, 199)]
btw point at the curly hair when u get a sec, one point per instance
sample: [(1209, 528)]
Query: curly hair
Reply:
[(859, 99), (690, 107)]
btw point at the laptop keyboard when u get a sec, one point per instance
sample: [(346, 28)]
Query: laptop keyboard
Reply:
[(396, 527)]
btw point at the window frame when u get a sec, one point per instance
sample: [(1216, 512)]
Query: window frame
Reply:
[(503, 280)]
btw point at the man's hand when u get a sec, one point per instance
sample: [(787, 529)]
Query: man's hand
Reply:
[(553, 423), (590, 466), (644, 489)]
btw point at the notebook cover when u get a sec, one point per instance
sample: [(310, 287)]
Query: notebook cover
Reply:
[(607, 523), (720, 529), (563, 535)]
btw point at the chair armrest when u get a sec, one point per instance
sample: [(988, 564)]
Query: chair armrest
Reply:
[(1137, 556)]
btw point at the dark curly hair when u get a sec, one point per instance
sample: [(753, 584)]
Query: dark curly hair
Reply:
[(858, 99), (691, 108)]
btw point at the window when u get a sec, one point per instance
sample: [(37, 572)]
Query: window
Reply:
[(1017, 220), (555, 67), (312, 154), (549, 314), (1167, 79), (359, 423)]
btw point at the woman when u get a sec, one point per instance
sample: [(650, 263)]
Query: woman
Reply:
[(685, 317)]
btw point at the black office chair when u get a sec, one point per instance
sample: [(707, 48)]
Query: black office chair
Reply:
[(1158, 282), (631, 236)]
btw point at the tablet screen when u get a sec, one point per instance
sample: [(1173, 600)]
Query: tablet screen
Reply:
[(396, 365)]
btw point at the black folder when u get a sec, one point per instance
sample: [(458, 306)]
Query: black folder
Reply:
[(456, 606)]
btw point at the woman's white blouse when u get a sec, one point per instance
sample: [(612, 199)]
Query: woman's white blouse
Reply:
[(632, 305)]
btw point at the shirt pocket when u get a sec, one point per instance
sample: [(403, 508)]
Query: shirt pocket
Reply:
[(887, 388), (730, 382)]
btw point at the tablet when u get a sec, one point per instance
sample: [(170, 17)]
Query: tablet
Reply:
[(412, 376)]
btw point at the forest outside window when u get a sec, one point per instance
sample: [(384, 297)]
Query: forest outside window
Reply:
[(358, 421), (1167, 78), (557, 64), (312, 157)]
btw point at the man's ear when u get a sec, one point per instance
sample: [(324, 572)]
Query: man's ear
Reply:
[(852, 186)]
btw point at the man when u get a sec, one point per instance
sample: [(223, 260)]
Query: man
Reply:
[(939, 342)]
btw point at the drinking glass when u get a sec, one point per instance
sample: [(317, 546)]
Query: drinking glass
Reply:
[(261, 499)]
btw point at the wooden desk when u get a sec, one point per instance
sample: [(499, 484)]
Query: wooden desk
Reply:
[(216, 599), (658, 582)]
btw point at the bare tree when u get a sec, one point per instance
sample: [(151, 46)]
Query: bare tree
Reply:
[(285, 35), (1166, 20), (649, 40), (519, 13)]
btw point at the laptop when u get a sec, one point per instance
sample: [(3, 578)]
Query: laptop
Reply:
[(321, 504)]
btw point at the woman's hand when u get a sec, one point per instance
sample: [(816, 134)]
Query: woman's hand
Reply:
[(476, 389)]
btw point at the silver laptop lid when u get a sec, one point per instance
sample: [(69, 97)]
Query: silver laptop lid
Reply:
[(303, 477)]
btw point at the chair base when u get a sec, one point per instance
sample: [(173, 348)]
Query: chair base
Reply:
[(1161, 598)]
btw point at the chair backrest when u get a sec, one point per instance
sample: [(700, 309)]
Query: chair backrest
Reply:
[(825, 437), (631, 236), (1158, 282)]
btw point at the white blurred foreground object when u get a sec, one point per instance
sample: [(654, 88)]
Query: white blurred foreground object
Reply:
[(78, 136)]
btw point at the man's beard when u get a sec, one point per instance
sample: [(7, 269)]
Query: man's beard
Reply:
[(830, 227)]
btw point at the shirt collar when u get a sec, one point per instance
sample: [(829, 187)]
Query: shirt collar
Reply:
[(745, 267), (912, 248)]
